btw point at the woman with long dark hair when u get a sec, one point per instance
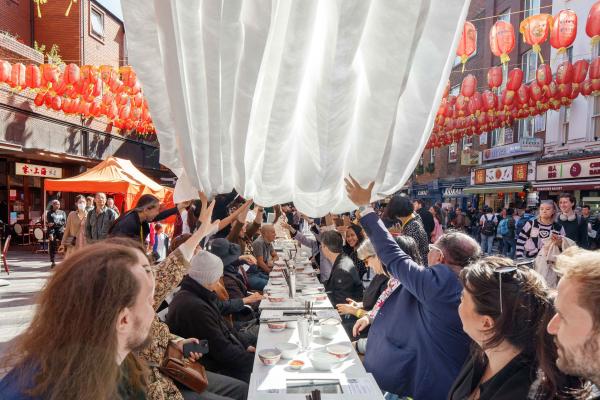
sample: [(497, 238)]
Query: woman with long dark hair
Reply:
[(354, 237), (505, 309), (438, 230)]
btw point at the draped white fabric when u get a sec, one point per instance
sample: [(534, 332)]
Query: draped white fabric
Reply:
[(280, 99)]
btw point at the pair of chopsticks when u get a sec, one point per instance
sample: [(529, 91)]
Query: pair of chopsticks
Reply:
[(314, 395)]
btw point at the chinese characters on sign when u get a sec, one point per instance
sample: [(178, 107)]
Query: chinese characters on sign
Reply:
[(38, 170), (510, 173)]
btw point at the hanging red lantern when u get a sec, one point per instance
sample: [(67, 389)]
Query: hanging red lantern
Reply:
[(515, 78), (507, 98), (543, 75), (461, 104), (71, 74), (475, 104), (467, 44), (502, 40), (490, 101), (66, 106), (535, 30), (128, 76), (523, 95), (48, 100), (494, 77), (592, 25), (39, 99), (50, 74), (122, 99), (17, 76), (595, 69), (564, 76), (124, 112), (564, 30), (469, 85), (586, 87), (138, 99), (89, 74), (580, 70), (33, 76), (575, 90), (5, 71), (56, 103), (112, 111)]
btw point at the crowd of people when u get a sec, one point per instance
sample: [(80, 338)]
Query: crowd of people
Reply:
[(433, 314)]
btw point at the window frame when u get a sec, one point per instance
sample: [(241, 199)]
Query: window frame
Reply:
[(432, 155), (92, 32), (531, 122), (595, 119), (565, 113), (525, 65), (496, 134), (455, 158), (529, 9)]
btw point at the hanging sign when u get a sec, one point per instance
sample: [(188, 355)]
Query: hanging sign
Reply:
[(38, 170)]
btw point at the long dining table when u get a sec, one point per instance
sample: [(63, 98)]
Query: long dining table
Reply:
[(348, 379)]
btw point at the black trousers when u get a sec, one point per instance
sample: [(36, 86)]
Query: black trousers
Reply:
[(54, 239)]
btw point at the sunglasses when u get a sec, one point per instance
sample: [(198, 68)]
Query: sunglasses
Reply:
[(433, 247), (501, 270)]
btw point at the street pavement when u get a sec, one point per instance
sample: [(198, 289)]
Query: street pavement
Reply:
[(28, 274)]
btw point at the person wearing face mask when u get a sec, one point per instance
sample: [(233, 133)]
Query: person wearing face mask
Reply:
[(74, 235), (575, 225), (56, 219)]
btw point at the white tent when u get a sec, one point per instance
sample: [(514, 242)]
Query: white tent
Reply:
[(283, 98)]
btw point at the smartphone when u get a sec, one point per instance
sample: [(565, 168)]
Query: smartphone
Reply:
[(201, 348)]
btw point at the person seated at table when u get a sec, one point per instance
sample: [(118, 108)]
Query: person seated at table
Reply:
[(354, 236), (505, 309), (344, 282), (243, 233), (262, 248), (416, 343), (234, 282), (194, 312), (381, 280)]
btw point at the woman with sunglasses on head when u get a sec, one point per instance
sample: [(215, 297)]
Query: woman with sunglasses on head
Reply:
[(505, 309), (530, 238)]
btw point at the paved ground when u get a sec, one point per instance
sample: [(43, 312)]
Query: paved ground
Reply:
[(28, 274)]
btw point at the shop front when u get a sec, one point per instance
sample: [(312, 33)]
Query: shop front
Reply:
[(453, 194), (500, 187), (429, 193), (579, 176)]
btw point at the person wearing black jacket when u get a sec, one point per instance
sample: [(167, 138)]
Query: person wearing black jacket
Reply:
[(575, 226), (56, 220), (426, 217), (344, 282), (194, 312), (135, 223)]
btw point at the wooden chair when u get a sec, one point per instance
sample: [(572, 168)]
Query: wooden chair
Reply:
[(4, 252), (38, 234), (18, 229)]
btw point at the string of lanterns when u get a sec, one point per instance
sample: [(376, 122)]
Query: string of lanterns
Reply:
[(473, 113), (88, 91)]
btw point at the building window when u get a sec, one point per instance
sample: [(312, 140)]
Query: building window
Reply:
[(452, 153), (504, 16), (529, 61), (570, 53), (565, 117), (596, 118), (526, 127), (504, 79), (531, 7), (431, 155), (421, 161), (483, 138), (96, 23), (498, 137)]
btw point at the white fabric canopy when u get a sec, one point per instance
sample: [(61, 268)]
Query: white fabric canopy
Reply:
[(281, 99)]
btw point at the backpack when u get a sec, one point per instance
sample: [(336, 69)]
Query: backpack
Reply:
[(503, 227), (489, 228), (521, 222)]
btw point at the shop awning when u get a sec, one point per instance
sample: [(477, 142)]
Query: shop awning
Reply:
[(574, 184), (512, 188)]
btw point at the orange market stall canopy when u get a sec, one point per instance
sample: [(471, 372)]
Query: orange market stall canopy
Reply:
[(114, 175)]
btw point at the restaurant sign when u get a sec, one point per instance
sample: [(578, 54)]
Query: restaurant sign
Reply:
[(523, 146), (586, 168), (510, 173), (470, 157), (452, 192), (38, 170)]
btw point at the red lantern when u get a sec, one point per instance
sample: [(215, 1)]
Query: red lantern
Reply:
[(543, 75), (494, 77), (50, 74), (89, 74), (515, 78), (535, 30), (124, 112), (56, 103), (5, 69), (469, 85), (580, 70), (592, 26), (71, 74), (564, 30), (523, 95), (39, 99), (461, 104), (475, 104), (564, 73), (467, 44), (595, 68), (507, 98), (33, 76), (502, 40), (17, 76), (66, 106), (122, 99), (138, 99), (586, 87), (490, 101), (128, 76)]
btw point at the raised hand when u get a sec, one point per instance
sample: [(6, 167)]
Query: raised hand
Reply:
[(356, 193)]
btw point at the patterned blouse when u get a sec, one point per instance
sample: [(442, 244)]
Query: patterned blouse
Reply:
[(414, 229), (393, 284), (168, 275)]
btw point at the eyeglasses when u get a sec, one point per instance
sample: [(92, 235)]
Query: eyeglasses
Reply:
[(501, 270), (433, 247)]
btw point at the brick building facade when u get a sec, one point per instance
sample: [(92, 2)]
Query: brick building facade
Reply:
[(92, 35)]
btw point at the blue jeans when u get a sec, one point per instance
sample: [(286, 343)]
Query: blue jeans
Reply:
[(509, 246), (487, 243), (257, 280)]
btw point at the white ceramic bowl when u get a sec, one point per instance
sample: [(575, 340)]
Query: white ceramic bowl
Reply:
[(288, 350), (323, 361), (277, 281), (296, 364), (276, 326), (310, 291), (328, 331), (276, 299), (339, 350), (270, 356)]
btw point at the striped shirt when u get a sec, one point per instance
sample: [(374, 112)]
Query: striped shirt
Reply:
[(536, 231)]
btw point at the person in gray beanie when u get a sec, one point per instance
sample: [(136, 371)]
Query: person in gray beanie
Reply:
[(195, 312)]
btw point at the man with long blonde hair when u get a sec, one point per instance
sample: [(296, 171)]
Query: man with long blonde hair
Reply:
[(94, 311)]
